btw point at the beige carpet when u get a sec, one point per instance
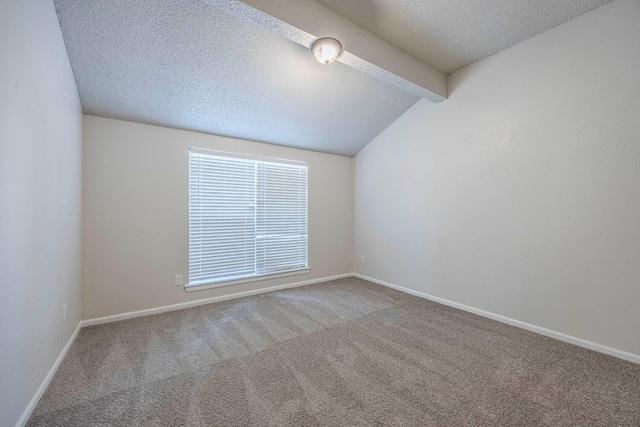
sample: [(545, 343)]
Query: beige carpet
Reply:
[(342, 353)]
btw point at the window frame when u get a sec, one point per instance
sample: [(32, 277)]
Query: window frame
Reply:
[(189, 287)]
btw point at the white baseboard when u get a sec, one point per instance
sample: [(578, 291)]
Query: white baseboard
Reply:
[(45, 383), (180, 306), (513, 322)]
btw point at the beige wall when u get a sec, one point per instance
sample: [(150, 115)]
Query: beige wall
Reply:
[(520, 194), (40, 153), (135, 214)]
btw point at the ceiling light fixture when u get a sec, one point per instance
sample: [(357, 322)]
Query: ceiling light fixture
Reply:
[(326, 50)]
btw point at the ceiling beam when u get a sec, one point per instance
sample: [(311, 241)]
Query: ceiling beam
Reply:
[(304, 21)]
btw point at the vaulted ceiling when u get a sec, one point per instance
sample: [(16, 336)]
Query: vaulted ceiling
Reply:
[(451, 34), (211, 66)]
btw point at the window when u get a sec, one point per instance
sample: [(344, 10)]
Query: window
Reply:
[(247, 218)]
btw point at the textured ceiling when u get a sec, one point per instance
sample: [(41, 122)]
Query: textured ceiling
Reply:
[(189, 65), (450, 34)]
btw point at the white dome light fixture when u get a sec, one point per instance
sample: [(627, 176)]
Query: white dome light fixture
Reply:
[(326, 50)]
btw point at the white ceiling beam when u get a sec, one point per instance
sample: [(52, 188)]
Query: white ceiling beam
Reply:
[(304, 21)]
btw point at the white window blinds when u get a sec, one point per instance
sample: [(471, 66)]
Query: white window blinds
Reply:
[(247, 218)]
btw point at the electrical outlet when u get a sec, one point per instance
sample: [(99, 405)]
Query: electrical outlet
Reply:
[(362, 259), (64, 313), (177, 280)]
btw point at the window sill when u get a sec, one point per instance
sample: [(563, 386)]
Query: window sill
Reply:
[(205, 286)]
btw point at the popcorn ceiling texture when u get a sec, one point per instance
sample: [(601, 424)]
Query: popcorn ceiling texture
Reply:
[(451, 34), (341, 353), (190, 65)]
